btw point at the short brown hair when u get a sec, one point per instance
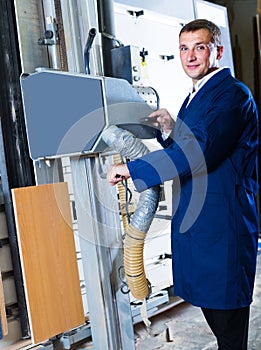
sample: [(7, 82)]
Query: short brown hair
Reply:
[(197, 24)]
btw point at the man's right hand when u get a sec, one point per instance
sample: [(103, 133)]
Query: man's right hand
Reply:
[(117, 173), (163, 120)]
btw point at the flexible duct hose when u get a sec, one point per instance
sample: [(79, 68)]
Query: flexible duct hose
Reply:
[(133, 263), (127, 145)]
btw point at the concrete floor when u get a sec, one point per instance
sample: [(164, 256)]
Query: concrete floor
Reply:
[(184, 328)]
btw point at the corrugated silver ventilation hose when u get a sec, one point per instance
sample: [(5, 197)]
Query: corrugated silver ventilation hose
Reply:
[(127, 145)]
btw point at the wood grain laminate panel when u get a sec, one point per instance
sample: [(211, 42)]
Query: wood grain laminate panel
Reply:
[(48, 257), (2, 309)]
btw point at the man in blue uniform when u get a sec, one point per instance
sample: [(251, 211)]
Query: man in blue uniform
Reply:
[(210, 152)]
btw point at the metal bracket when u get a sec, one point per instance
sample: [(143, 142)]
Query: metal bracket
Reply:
[(50, 35), (74, 336)]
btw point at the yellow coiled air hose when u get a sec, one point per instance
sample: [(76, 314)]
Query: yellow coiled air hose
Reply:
[(134, 264), (132, 148)]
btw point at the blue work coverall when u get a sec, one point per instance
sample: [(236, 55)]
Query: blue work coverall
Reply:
[(212, 159)]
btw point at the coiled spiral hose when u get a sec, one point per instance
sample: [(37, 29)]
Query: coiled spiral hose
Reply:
[(128, 146)]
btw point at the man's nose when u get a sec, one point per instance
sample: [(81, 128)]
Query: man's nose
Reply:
[(191, 55)]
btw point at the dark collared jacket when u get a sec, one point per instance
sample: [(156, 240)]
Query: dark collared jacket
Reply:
[(212, 160)]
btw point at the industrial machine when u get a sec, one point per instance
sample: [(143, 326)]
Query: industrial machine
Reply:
[(82, 108)]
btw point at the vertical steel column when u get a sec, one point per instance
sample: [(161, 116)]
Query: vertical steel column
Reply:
[(101, 250), (79, 16), (15, 167), (107, 29)]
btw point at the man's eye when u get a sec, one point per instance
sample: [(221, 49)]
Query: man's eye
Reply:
[(201, 47), (183, 48)]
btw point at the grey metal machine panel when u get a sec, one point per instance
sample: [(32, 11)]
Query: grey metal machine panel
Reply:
[(127, 109), (56, 104), (65, 113)]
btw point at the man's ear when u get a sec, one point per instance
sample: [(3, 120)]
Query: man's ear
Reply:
[(220, 50)]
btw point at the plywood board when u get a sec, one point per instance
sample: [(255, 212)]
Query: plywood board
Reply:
[(2, 309), (48, 257)]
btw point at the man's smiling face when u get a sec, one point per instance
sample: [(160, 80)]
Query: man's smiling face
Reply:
[(198, 54)]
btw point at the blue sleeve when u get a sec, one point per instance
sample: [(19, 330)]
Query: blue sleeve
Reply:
[(203, 145), (177, 160)]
